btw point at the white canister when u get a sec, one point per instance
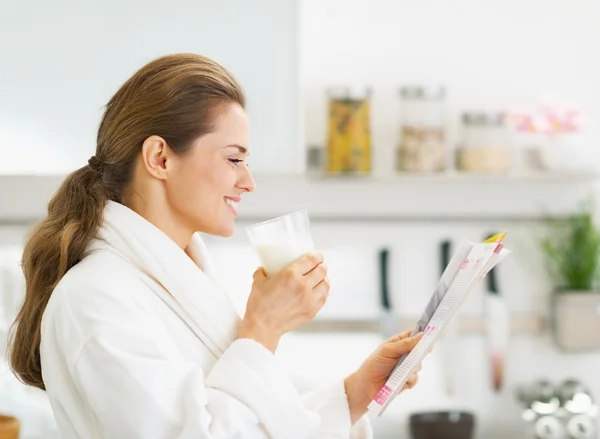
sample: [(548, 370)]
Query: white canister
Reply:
[(485, 145)]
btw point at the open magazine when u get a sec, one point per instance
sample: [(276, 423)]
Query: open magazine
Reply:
[(470, 262)]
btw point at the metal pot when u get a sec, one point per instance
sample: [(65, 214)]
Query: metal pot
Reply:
[(442, 425)]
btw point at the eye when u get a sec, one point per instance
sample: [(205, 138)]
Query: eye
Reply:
[(235, 161)]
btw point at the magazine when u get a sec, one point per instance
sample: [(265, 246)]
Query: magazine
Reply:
[(469, 263)]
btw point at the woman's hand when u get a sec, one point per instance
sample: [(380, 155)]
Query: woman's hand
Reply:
[(285, 301), (363, 385)]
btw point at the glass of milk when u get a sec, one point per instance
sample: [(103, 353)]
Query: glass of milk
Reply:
[(280, 241)]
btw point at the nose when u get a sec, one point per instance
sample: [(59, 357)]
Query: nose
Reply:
[(245, 181)]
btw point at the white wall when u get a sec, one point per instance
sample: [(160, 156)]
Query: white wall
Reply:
[(490, 55), (61, 62)]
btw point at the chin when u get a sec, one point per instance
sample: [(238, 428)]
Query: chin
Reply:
[(223, 231), (222, 226)]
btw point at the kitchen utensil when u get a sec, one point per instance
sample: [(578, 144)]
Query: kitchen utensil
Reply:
[(449, 343), (498, 328), (390, 322), (442, 425)]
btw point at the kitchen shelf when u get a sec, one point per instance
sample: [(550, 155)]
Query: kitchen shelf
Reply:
[(451, 177), (418, 197), (520, 324), (404, 197)]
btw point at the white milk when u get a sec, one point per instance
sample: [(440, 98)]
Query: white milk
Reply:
[(277, 255)]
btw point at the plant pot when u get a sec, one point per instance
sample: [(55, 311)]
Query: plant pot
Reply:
[(9, 427), (576, 320)]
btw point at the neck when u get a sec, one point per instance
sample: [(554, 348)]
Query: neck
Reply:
[(162, 216)]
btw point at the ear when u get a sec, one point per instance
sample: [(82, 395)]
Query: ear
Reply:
[(155, 153)]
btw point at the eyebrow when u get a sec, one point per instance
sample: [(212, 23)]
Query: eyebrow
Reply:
[(241, 148)]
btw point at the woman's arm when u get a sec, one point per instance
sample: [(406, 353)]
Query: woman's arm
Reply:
[(133, 382)]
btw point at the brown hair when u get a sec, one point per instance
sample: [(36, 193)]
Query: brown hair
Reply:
[(175, 97)]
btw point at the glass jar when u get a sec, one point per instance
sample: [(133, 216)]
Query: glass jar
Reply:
[(422, 146), (349, 131), (485, 143)]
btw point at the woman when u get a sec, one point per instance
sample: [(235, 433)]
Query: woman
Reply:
[(123, 323)]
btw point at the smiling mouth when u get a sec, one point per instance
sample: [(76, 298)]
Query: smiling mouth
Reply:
[(232, 204)]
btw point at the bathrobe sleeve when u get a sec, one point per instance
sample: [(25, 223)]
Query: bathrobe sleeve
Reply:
[(136, 384), (331, 403)]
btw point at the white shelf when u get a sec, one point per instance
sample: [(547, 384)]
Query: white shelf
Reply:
[(451, 177), (450, 196), (419, 197)]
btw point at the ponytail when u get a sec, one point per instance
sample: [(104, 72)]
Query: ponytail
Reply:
[(176, 97), (54, 246)]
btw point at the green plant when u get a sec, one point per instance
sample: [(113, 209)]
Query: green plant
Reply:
[(572, 250)]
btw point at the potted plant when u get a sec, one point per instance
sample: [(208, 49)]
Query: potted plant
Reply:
[(572, 251)]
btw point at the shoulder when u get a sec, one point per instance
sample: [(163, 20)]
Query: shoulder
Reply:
[(96, 292), (101, 273), (103, 304)]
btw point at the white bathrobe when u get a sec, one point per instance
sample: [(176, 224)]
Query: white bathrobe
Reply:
[(138, 341)]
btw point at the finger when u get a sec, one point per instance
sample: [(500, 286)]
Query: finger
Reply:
[(308, 262), (405, 345), (259, 274), (418, 369), (316, 275), (322, 289), (322, 294), (400, 336), (412, 381)]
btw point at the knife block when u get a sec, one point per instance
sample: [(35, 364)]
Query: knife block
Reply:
[(9, 427), (575, 318)]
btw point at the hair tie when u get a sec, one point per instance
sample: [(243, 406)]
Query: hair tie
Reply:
[(96, 164)]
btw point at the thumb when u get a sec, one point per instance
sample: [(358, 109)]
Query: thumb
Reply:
[(259, 274), (403, 346)]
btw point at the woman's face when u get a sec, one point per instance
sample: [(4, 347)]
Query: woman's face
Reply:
[(205, 185)]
